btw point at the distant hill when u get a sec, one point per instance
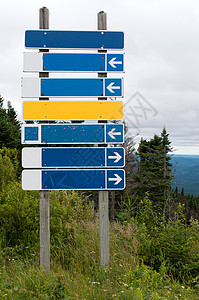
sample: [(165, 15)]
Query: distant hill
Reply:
[(186, 172)]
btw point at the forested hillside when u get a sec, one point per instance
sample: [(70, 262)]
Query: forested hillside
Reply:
[(186, 173), (154, 231)]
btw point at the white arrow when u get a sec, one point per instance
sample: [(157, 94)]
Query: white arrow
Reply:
[(113, 63), (117, 157), (111, 88), (112, 133), (117, 179)]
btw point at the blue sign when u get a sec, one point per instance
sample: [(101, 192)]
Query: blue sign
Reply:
[(86, 179), (84, 87), (72, 87), (74, 39), (72, 157), (81, 62), (72, 133)]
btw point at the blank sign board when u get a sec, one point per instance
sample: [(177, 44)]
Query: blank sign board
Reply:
[(72, 133), (73, 62), (71, 87), (72, 110), (85, 179), (72, 157), (55, 39)]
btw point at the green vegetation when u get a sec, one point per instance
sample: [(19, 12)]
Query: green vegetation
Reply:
[(154, 236), (136, 247)]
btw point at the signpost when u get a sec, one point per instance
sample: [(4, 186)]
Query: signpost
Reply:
[(91, 179), (78, 157), (73, 62), (71, 87), (72, 133), (53, 39), (73, 168)]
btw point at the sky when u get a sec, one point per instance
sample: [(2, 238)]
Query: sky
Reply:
[(161, 79)]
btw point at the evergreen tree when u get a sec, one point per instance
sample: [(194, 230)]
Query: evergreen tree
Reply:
[(155, 169), (124, 199), (10, 127)]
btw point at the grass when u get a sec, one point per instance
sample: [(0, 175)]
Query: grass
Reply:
[(75, 271)]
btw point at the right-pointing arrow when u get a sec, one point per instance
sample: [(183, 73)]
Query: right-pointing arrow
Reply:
[(112, 133), (117, 179), (117, 157)]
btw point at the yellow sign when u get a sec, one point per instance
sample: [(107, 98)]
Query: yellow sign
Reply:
[(72, 110)]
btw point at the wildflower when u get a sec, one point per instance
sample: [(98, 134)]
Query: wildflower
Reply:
[(182, 286)]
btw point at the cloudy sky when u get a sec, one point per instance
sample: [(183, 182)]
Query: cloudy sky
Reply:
[(161, 58)]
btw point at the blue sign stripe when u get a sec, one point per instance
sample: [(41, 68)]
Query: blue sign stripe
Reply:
[(71, 87), (83, 179), (72, 133), (73, 157), (83, 62), (74, 39), (74, 62)]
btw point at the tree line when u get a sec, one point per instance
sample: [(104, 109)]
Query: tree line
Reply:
[(148, 171)]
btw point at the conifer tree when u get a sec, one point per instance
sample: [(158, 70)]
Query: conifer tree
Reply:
[(10, 127), (155, 169)]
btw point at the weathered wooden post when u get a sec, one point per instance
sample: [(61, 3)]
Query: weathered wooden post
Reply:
[(103, 195), (44, 195)]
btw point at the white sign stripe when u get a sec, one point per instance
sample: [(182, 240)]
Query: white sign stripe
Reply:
[(32, 62), (31, 180), (31, 157), (30, 87)]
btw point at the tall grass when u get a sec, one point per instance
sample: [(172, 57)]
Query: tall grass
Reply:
[(75, 271)]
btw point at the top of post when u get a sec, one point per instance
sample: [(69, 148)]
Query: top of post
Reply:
[(44, 18), (102, 21)]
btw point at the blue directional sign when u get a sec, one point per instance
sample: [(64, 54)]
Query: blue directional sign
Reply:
[(74, 39), (71, 87), (72, 157), (72, 133), (73, 62), (86, 179)]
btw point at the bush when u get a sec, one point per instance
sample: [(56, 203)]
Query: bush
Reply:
[(173, 244), (8, 166)]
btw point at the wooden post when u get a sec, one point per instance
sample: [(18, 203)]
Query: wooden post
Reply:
[(44, 195), (103, 195)]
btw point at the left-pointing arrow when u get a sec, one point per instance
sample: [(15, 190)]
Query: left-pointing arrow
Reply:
[(113, 62), (111, 88), (117, 157), (117, 179)]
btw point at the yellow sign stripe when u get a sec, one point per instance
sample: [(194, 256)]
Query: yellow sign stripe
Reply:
[(72, 110)]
